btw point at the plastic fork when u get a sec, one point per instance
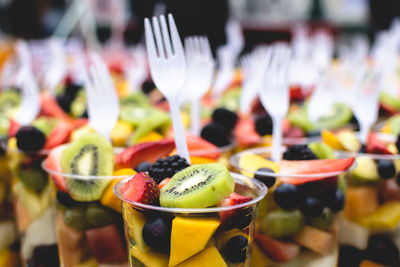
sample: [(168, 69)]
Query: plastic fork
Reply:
[(57, 68), (137, 72), (102, 99), (168, 70), (200, 71), (275, 92)]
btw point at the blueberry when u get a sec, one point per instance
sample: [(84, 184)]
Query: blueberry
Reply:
[(65, 200), (225, 118), (386, 169), (398, 179), (363, 149), (143, 167), (235, 249), (349, 256), (72, 89), (148, 86), (268, 180), (238, 218), (64, 101), (157, 234), (337, 202), (382, 250), (312, 207), (286, 196), (46, 256), (216, 134), (30, 139), (398, 143), (263, 125)]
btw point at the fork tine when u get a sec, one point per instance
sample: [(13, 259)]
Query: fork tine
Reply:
[(150, 45), (157, 35), (167, 40), (176, 41)]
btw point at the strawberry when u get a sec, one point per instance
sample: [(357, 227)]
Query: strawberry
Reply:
[(163, 182), (201, 148), (294, 132), (375, 145), (277, 250), (245, 133), (59, 135), (78, 123), (296, 93), (13, 129), (312, 167), (132, 156), (50, 107), (235, 218), (141, 188), (53, 164)]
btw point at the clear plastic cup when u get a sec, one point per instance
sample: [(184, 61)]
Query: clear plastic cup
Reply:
[(298, 222), (216, 236), (90, 231)]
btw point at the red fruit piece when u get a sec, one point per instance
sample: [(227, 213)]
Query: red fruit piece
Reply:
[(132, 156), (141, 188), (53, 163), (294, 132), (277, 250), (296, 93), (59, 135), (13, 129), (49, 107), (245, 133), (78, 123), (312, 167), (375, 145), (107, 244), (201, 148), (389, 110), (390, 191), (236, 218), (163, 182)]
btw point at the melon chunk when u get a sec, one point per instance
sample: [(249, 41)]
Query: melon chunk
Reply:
[(190, 236), (316, 240), (149, 258), (360, 201), (253, 162), (353, 234), (386, 217), (135, 222), (208, 257)]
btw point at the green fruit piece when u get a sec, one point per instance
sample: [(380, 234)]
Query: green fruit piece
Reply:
[(324, 221), (365, 171), (321, 150), (230, 100), (99, 215), (9, 101), (34, 179), (91, 154), (198, 186), (45, 124), (78, 105), (342, 183), (280, 223), (389, 100), (394, 123), (76, 218), (349, 141), (134, 222), (4, 125), (135, 99)]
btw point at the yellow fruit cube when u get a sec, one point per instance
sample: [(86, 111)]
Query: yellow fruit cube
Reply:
[(152, 259), (319, 241), (201, 160), (151, 137), (360, 201), (208, 257), (331, 140), (120, 133), (386, 217), (253, 162)]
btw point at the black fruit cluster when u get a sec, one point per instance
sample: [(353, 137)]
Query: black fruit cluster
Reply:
[(299, 152), (30, 139), (65, 99), (263, 124), (167, 167)]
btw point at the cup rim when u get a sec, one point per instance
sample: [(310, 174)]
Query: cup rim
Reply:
[(234, 161), (237, 177)]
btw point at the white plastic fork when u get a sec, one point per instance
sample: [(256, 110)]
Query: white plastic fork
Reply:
[(168, 70), (137, 71), (56, 69), (199, 75), (274, 94), (102, 99)]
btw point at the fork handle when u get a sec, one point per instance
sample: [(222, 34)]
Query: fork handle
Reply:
[(195, 116), (179, 133), (276, 139)]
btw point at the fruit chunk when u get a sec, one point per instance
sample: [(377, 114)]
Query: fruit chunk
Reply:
[(375, 145), (201, 148), (208, 257), (7, 233), (59, 135), (49, 107), (280, 251), (253, 163), (150, 152), (258, 257), (120, 133), (197, 186), (106, 244), (151, 137), (239, 218), (331, 140), (53, 163), (245, 133), (141, 188), (367, 263), (150, 258), (386, 217), (365, 170), (353, 234), (321, 150), (135, 222), (349, 141), (198, 231), (390, 191), (319, 241), (360, 201), (280, 223)]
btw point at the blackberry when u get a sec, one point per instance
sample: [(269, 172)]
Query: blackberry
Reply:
[(148, 86), (264, 125), (225, 118), (299, 152), (30, 139), (216, 134), (167, 167)]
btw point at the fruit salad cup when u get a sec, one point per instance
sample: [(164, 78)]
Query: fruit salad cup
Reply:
[(215, 236), (298, 222)]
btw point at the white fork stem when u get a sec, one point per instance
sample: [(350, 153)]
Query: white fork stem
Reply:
[(195, 116), (179, 133), (276, 139)]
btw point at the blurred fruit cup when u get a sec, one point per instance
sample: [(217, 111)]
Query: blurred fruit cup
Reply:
[(217, 236), (298, 221), (89, 224)]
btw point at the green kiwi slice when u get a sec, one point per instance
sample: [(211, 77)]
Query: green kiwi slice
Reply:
[(197, 186), (135, 99), (89, 155), (9, 100), (45, 124), (78, 105)]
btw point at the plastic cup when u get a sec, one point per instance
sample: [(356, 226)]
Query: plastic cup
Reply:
[(89, 232), (217, 236), (298, 221)]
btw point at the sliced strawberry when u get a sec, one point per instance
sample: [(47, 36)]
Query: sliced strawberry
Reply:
[(294, 132), (53, 163), (312, 167), (296, 93), (277, 250), (59, 135), (245, 133), (235, 218), (78, 123), (201, 148), (50, 107), (163, 182), (375, 145), (141, 188), (285, 126), (132, 156), (13, 129)]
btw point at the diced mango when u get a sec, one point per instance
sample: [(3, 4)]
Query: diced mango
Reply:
[(319, 241), (208, 257), (120, 133), (149, 258), (386, 217), (198, 231), (367, 263), (151, 137), (253, 162), (200, 160), (331, 140), (360, 201), (258, 257), (9, 258), (135, 222)]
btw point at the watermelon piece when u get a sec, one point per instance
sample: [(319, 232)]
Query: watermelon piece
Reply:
[(78, 123), (312, 167), (375, 145), (59, 135), (280, 251), (201, 148), (53, 163), (245, 133)]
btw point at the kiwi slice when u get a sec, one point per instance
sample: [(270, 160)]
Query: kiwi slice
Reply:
[(197, 186), (35, 179), (280, 223), (91, 154), (75, 217), (99, 215), (9, 100), (230, 100), (321, 150), (45, 124), (78, 105), (135, 99)]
